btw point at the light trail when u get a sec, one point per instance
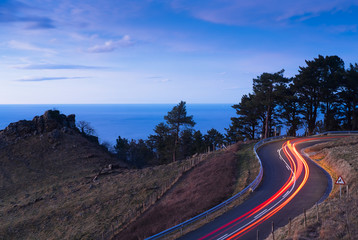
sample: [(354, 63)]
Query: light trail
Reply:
[(298, 171), (215, 234), (298, 168)]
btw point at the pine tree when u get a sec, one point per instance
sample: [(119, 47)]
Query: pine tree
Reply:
[(176, 119)]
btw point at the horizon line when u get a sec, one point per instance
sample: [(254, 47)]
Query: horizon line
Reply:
[(108, 103)]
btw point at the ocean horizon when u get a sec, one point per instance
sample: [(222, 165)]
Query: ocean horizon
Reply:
[(131, 121)]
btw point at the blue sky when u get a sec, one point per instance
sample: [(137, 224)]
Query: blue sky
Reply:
[(162, 51)]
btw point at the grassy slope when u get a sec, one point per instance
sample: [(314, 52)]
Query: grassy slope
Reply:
[(47, 189), (337, 217), (43, 160), (218, 177)]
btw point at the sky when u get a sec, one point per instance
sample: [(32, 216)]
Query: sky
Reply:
[(162, 51)]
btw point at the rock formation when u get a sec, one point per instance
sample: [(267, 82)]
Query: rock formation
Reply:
[(50, 122)]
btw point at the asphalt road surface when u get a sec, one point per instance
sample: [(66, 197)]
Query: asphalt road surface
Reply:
[(291, 183)]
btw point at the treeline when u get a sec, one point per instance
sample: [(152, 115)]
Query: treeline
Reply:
[(321, 88), (175, 139), (323, 96)]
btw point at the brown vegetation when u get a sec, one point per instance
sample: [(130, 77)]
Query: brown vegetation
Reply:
[(337, 217), (63, 202), (211, 182), (50, 186), (47, 186)]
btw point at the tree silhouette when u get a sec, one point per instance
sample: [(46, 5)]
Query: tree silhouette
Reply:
[(289, 109), (266, 89), (177, 118), (349, 98), (161, 142), (249, 112)]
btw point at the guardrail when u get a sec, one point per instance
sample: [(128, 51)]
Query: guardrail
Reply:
[(253, 185), (336, 133)]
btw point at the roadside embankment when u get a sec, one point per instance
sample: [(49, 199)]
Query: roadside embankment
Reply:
[(214, 180), (336, 217)]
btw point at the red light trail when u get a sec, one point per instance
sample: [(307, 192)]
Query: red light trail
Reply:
[(299, 169)]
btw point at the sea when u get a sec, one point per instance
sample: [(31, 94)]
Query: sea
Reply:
[(131, 121)]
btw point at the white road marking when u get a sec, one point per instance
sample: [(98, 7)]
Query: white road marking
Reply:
[(287, 166), (223, 237), (278, 202), (285, 195), (260, 214)]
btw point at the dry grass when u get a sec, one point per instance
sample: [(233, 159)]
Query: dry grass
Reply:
[(248, 166), (337, 217), (47, 191), (198, 191)]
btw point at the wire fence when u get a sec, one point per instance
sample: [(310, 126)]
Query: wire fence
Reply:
[(132, 215), (337, 133), (252, 186)]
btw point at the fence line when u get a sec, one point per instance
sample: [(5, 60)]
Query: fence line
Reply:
[(131, 216), (253, 185), (336, 133), (314, 212)]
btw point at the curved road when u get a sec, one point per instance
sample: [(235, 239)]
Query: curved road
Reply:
[(291, 183)]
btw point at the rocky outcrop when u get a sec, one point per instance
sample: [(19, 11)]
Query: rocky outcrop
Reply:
[(52, 121)]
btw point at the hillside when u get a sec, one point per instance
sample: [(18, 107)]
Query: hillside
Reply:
[(337, 217), (197, 191), (45, 151), (50, 186), (43, 162)]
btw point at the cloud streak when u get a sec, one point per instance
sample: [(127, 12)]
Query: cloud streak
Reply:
[(159, 79), (28, 46), (43, 79), (259, 12), (110, 46), (15, 11), (56, 66), (163, 80)]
